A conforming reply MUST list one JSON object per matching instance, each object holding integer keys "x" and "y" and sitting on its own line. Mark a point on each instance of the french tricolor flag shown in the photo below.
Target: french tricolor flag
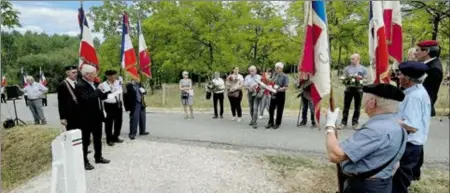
{"x": 378, "y": 49}
{"x": 42, "y": 78}
{"x": 87, "y": 49}
{"x": 144, "y": 57}
{"x": 316, "y": 61}
{"x": 128, "y": 55}
{"x": 393, "y": 22}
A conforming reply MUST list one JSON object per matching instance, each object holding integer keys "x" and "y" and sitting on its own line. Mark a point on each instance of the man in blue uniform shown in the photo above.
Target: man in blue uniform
{"x": 369, "y": 158}
{"x": 415, "y": 115}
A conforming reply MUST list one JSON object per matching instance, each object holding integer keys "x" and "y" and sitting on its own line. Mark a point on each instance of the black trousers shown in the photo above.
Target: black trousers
{"x": 25, "y": 97}
{"x": 218, "y": 97}
{"x": 305, "y": 104}
{"x": 94, "y": 128}
{"x": 277, "y": 103}
{"x": 71, "y": 124}
{"x": 235, "y": 103}
{"x": 368, "y": 185}
{"x": 3, "y": 100}
{"x": 416, "y": 170}
{"x": 404, "y": 175}
{"x": 44, "y": 101}
{"x": 349, "y": 95}
{"x": 113, "y": 119}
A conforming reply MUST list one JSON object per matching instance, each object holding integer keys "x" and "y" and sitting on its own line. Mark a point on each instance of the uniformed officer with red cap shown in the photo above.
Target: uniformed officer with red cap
{"x": 428, "y": 52}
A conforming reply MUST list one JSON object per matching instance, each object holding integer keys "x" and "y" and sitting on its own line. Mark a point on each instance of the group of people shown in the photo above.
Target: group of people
{"x": 264, "y": 92}
{"x": 85, "y": 104}
{"x": 386, "y": 154}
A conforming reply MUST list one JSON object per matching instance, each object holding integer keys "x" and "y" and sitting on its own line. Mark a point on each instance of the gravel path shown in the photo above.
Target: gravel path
{"x": 143, "y": 166}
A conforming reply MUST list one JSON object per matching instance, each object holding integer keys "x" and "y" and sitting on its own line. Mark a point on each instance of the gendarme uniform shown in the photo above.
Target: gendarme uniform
{"x": 415, "y": 112}
{"x": 375, "y": 149}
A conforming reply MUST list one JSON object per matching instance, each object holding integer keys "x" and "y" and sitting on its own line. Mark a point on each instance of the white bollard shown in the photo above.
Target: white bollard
{"x": 68, "y": 166}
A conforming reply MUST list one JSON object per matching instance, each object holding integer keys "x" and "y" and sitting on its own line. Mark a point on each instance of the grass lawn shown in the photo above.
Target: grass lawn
{"x": 299, "y": 175}
{"x": 26, "y": 152}
{"x": 172, "y": 98}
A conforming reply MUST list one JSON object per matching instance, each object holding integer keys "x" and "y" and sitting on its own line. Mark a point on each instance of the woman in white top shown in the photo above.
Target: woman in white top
{"x": 234, "y": 84}
{"x": 187, "y": 94}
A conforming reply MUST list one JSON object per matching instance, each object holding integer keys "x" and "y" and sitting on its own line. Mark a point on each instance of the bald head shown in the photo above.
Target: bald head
{"x": 355, "y": 58}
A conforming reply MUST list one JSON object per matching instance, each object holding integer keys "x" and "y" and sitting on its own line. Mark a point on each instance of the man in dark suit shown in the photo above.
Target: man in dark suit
{"x": 428, "y": 52}
{"x": 67, "y": 101}
{"x": 134, "y": 102}
{"x": 90, "y": 112}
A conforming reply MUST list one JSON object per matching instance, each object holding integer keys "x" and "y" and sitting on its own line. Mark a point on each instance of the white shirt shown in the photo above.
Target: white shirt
{"x": 71, "y": 82}
{"x": 220, "y": 84}
{"x": 114, "y": 87}
{"x": 35, "y": 90}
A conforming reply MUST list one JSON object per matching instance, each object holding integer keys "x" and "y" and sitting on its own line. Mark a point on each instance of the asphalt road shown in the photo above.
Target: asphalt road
{"x": 172, "y": 126}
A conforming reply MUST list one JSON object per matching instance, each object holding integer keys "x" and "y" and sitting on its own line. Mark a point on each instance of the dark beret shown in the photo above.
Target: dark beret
{"x": 110, "y": 72}
{"x": 72, "y": 67}
{"x": 428, "y": 43}
{"x": 386, "y": 91}
{"x": 413, "y": 69}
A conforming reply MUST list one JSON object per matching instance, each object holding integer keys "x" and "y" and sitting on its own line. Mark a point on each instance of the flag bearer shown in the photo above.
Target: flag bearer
{"x": 370, "y": 156}
{"x": 113, "y": 108}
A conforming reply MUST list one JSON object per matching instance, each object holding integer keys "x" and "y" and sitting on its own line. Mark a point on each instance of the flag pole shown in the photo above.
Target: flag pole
{"x": 332, "y": 106}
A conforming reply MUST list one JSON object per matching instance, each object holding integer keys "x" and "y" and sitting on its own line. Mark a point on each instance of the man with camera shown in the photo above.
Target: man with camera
{"x": 34, "y": 92}
{"x": 368, "y": 159}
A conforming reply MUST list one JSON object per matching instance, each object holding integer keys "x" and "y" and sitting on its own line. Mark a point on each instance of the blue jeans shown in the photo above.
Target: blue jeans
{"x": 305, "y": 104}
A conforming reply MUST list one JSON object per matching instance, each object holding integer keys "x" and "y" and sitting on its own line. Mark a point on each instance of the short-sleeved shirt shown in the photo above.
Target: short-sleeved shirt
{"x": 35, "y": 90}
{"x": 250, "y": 80}
{"x": 281, "y": 80}
{"x": 377, "y": 142}
{"x": 352, "y": 70}
{"x": 415, "y": 111}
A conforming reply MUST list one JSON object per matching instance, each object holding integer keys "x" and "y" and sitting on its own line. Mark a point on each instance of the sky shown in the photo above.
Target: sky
{"x": 52, "y": 17}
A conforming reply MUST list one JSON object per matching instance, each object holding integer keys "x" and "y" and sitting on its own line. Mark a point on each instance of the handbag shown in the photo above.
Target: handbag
{"x": 184, "y": 95}
{"x": 208, "y": 95}
{"x": 233, "y": 94}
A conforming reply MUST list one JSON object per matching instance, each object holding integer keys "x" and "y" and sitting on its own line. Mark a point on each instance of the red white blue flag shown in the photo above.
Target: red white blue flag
{"x": 145, "y": 62}
{"x": 315, "y": 63}
{"x": 88, "y": 55}
{"x": 378, "y": 49}
{"x": 42, "y": 78}
{"x": 393, "y": 21}
{"x": 128, "y": 55}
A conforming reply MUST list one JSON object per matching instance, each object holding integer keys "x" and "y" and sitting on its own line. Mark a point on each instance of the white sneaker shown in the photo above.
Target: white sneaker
{"x": 233, "y": 119}
{"x": 239, "y": 120}
{"x": 260, "y": 117}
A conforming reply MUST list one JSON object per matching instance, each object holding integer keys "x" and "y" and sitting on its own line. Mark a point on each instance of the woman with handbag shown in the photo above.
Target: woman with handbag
{"x": 187, "y": 95}
{"x": 234, "y": 84}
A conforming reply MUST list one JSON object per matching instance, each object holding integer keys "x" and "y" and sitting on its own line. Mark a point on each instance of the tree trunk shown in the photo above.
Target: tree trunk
{"x": 436, "y": 21}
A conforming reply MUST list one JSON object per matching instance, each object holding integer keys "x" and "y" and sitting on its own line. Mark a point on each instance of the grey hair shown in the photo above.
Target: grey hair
{"x": 252, "y": 67}
{"x": 86, "y": 69}
{"x": 185, "y": 73}
{"x": 387, "y": 105}
{"x": 29, "y": 78}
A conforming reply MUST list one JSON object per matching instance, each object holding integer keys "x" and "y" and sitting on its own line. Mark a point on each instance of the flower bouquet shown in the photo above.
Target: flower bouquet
{"x": 354, "y": 80}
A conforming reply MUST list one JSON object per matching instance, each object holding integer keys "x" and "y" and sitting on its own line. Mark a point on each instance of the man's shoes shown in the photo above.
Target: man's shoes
{"x": 102, "y": 161}
{"x": 118, "y": 140}
{"x": 276, "y": 126}
{"x": 214, "y": 117}
{"x": 110, "y": 143}
{"x": 144, "y": 133}
{"x": 88, "y": 166}
{"x": 251, "y": 123}
{"x": 269, "y": 126}
{"x": 44, "y": 122}
{"x": 342, "y": 126}
{"x": 355, "y": 126}
{"x": 255, "y": 126}
{"x": 313, "y": 124}
{"x": 132, "y": 137}
{"x": 302, "y": 123}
